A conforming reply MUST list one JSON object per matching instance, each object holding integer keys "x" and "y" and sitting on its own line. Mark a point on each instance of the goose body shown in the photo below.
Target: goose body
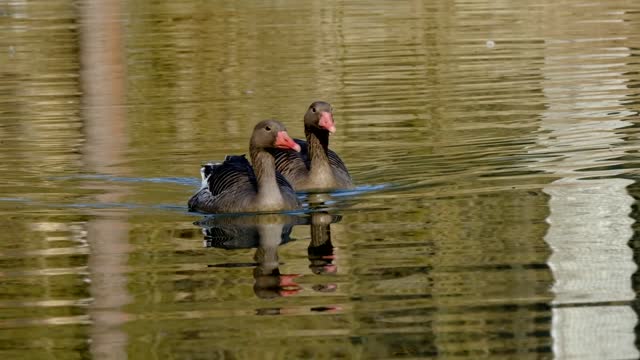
{"x": 236, "y": 186}
{"x": 315, "y": 166}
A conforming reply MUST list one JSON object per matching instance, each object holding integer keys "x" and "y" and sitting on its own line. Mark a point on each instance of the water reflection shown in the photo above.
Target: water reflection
{"x": 501, "y": 232}
{"x": 321, "y": 250}
{"x": 103, "y": 82}
{"x": 590, "y": 226}
{"x": 266, "y": 233}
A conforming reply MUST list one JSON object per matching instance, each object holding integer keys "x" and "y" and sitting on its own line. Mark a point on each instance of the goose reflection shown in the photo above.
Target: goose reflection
{"x": 266, "y": 233}
{"x": 263, "y": 232}
{"x": 321, "y": 250}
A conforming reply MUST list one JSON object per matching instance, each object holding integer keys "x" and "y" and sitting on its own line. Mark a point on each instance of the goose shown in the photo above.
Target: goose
{"x": 315, "y": 167}
{"x": 235, "y": 186}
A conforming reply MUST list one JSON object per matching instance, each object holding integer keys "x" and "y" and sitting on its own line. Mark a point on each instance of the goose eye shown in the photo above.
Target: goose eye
{"x": 313, "y": 109}
{"x": 268, "y": 128}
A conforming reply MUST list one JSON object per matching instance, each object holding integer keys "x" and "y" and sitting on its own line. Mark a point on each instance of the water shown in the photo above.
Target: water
{"x": 494, "y": 145}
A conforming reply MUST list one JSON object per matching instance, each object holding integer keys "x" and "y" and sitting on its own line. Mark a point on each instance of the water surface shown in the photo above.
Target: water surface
{"x": 494, "y": 145}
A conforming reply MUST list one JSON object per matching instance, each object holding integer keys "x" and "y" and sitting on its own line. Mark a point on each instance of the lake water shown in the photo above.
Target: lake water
{"x": 494, "y": 145}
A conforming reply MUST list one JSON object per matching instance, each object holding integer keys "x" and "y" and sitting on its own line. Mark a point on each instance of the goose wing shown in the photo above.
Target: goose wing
{"x": 223, "y": 184}
{"x": 234, "y": 174}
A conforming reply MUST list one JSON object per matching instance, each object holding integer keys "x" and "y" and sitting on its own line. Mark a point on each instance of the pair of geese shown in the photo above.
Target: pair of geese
{"x": 281, "y": 166}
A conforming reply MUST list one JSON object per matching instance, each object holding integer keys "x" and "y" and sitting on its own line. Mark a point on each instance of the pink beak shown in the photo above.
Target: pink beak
{"x": 284, "y": 141}
{"x": 326, "y": 122}
{"x": 288, "y": 280}
{"x": 330, "y": 269}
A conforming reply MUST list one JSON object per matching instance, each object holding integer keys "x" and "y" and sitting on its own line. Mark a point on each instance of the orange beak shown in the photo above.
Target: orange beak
{"x": 284, "y": 141}
{"x": 326, "y": 122}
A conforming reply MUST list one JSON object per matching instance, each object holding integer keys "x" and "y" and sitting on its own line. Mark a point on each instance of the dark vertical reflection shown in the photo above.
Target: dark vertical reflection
{"x": 634, "y": 244}
{"x": 320, "y": 250}
{"x": 633, "y": 105}
{"x": 269, "y": 281}
{"x": 103, "y": 80}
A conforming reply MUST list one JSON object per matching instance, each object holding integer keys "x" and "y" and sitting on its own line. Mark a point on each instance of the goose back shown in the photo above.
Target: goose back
{"x": 231, "y": 186}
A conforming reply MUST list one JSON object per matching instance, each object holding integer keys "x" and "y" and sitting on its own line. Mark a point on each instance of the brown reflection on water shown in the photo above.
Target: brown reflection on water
{"x": 103, "y": 81}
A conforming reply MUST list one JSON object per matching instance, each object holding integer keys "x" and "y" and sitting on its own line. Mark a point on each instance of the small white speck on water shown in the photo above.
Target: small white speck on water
{"x": 490, "y": 44}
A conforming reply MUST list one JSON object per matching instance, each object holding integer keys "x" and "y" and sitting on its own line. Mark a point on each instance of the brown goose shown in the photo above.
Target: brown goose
{"x": 235, "y": 186}
{"x": 315, "y": 167}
